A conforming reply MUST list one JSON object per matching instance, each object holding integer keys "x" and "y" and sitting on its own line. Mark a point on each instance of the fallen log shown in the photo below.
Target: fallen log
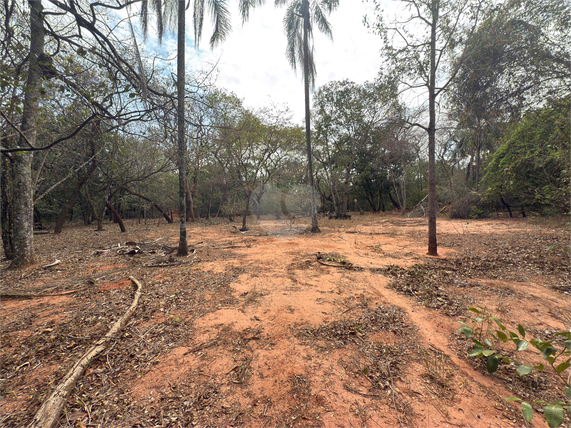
{"x": 50, "y": 410}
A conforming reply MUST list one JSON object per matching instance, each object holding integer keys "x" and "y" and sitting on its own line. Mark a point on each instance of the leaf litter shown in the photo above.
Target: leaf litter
{"x": 373, "y": 344}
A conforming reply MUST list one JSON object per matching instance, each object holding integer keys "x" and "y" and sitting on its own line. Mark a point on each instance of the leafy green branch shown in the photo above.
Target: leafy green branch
{"x": 488, "y": 331}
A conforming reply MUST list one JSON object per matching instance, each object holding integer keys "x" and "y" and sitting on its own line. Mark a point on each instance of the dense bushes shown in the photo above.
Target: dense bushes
{"x": 468, "y": 206}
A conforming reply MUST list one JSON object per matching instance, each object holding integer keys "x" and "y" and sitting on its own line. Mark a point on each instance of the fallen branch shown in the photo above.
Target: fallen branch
{"x": 51, "y": 408}
{"x": 57, "y": 262}
{"x": 341, "y": 265}
{"x": 23, "y": 296}
{"x": 362, "y": 394}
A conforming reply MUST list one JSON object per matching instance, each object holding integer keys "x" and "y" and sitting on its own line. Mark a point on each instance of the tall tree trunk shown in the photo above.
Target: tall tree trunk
{"x": 478, "y": 155}
{"x": 432, "y": 242}
{"x": 97, "y": 216}
{"x": 245, "y": 216}
{"x": 345, "y": 194}
{"x": 23, "y": 217}
{"x": 180, "y": 80}
{"x": 189, "y": 204}
{"x": 314, "y": 225}
{"x": 6, "y": 207}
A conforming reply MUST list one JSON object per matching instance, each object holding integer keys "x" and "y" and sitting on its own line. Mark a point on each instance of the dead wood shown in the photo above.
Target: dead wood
{"x": 57, "y": 262}
{"x": 27, "y": 296}
{"x": 50, "y": 410}
{"x": 344, "y": 265}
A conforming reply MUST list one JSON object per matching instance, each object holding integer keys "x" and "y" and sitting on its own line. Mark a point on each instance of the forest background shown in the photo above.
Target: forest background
{"x": 91, "y": 126}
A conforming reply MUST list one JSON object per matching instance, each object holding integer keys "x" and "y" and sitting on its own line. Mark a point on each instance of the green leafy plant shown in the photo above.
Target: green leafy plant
{"x": 465, "y": 228}
{"x": 476, "y": 212}
{"x": 486, "y": 331}
{"x": 336, "y": 258}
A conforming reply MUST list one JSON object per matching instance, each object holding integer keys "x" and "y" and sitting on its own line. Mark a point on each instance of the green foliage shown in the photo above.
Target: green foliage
{"x": 532, "y": 165}
{"x": 468, "y": 206}
{"x": 487, "y": 331}
{"x": 476, "y": 212}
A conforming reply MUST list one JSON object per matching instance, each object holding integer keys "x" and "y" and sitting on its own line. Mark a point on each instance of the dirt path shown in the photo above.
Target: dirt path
{"x": 276, "y": 327}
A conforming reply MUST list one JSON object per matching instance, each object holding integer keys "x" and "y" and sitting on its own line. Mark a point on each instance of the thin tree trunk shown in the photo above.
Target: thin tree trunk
{"x": 506, "y": 205}
{"x": 314, "y": 225}
{"x": 6, "y": 208}
{"x": 245, "y": 216}
{"x": 345, "y": 195}
{"x": 23, "y": 218}
{"x": 189, "y": 206}
{"x": 97, "y": 216}
{"x": 165, "y": 215}
{"x": 180, "y": 78}
{"x": 432, "y": 242}
{"x": 395, "y": 203}
{"x": 116, "y": 215}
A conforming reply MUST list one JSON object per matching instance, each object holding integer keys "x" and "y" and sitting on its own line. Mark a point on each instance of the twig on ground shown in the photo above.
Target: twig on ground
{"x": 57, "y": 262}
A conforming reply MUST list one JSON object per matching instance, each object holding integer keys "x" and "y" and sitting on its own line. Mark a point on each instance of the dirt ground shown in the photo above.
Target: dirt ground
{"x": 276, "y": 327}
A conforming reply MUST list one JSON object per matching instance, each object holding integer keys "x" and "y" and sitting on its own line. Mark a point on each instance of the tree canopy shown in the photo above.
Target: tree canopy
{"x": 532, "y": 166}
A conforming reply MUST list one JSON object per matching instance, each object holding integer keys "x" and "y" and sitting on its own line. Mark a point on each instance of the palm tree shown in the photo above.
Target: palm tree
{"x": 299, "y": 19}
{"x": 221, "y": 23}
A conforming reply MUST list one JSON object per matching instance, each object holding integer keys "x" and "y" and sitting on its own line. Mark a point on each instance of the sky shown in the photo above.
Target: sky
{"x": 252, "y": 62}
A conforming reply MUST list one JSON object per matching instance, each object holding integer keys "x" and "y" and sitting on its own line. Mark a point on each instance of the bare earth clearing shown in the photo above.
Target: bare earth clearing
{"x": 274, "y": 327}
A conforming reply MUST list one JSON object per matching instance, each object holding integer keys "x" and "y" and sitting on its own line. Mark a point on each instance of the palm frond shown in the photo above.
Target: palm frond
{"x": 142, "y": 79}
{"x": 246, "y": 5}
{"x": 198, "y": 20}
{"x": 312, "y": 70}
{"x": 157, "y": 6}
{"x": 170, "y": 14}
{"x": 322, "y": 23}
{"x": 220, "y": 20}
{"x": 293, "y": 28}
{"x": 329, "y": 5}
{"x": 145, "y": 17}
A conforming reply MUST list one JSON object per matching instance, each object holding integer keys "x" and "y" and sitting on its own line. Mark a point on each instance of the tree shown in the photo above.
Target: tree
{"x": 521, "y": 59}
{"x": 221, "y": 28}
{"x": 348, "y": 117}
{"x": 34, "y": 64}
{"x": 299, "y": 19}
{"x": 532, "y": 166}
{"x": 22, "y": 193}
{"x": 416, "y": 56}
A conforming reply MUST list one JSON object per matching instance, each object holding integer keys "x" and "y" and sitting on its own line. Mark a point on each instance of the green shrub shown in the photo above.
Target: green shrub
{"x": 487, "y": 331}
{"x": 468, "y": 206}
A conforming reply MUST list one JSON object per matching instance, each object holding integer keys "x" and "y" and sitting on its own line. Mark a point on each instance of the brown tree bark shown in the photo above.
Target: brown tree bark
{"x": 432, "y": 242}
{"x": 306, "y": 53}
{"x": 245, "y": 216}
{"x": 116, "y": 215}
{"x": 181, "y": 141}
{"x": 23, "y": 217}
{"x": 165, "y": 215}
{"x": 6, "y": 208}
